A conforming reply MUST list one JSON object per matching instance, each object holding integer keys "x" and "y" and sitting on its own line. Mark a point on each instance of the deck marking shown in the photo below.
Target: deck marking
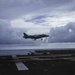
{"x": 20, "y": 66}
{"x": 72, "y": 59}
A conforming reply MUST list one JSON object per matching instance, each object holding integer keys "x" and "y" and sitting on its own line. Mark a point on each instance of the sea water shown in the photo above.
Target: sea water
{"x": 21, "y": 49}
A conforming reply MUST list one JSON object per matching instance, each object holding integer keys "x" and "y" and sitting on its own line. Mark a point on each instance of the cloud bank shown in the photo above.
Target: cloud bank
{"x": 11, "y": 35}
{"x": 37, "y": 16}
{"x": 10, "y": 9}
{"x": 63, "y": 33}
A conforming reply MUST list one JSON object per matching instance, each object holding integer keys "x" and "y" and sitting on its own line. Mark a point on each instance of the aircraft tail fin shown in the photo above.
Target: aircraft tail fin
{"x": 25, "y": 34}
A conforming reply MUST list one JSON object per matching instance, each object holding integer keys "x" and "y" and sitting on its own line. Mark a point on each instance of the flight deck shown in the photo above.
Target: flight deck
{"x": 37, "y": 60}
{"x": 26, "y": 65}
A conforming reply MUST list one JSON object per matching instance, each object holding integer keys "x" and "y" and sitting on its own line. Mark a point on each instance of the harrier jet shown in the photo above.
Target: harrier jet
{"x": 26, "y": 36}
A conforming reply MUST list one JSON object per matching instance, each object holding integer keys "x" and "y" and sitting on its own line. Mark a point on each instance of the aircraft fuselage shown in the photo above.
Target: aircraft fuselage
{"x": 35, "y": 36}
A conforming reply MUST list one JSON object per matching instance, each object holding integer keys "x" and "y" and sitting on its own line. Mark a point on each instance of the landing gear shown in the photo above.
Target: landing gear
{"x": 41, "y": 39}
{"x": 35, "y": 39}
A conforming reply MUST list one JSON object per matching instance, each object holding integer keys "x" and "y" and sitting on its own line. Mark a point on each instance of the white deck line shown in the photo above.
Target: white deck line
{"x": 20, "y": 66}
{"x": 71, "y": 59}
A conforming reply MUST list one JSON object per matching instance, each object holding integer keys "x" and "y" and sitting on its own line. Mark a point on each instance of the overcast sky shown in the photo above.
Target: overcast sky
{"x": 36, "y": 16}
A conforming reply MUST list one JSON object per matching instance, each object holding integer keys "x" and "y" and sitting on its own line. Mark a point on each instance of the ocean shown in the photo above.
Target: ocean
{"x": 23, "y": 49}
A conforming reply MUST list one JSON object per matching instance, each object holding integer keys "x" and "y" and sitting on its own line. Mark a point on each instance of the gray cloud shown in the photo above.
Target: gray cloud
{"x": 56, "y": 2}
{"x": 37, "y": 19}
{"x": 10, "y": 35}
{"x": 10, "y": 9}
{"x": 63, "y": 34}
